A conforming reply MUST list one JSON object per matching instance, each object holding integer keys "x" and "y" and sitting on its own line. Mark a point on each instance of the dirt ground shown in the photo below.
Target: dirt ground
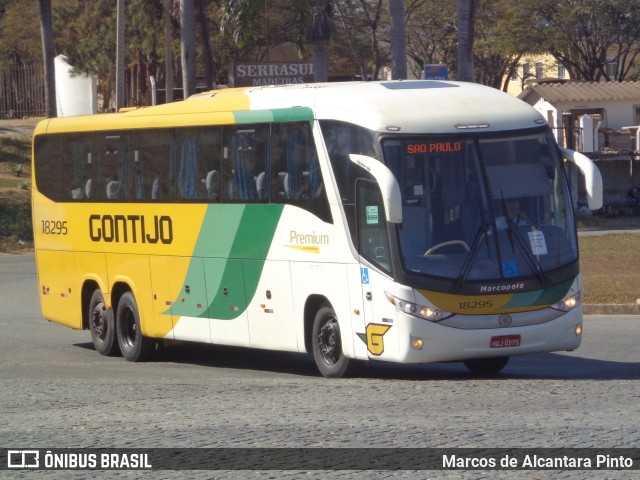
{"x": 18, "y": 126}
{"x": 15, "y": 172}
{"x": 15, "y": 139}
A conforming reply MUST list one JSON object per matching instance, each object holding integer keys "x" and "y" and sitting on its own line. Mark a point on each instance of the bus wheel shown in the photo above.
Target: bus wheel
{"x": 327, "y": 345}
{"x": 486, "y": 366}
{"x": 134, "y": 346}
{"x": 102, "y": 325}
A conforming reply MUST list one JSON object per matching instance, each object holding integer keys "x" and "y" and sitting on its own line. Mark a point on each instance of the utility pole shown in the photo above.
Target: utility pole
{"x": 398, "y": 40}
{"x": 188, "y": 44}
{"x": 168, "y": 52}
{"x": 46, "y": 28}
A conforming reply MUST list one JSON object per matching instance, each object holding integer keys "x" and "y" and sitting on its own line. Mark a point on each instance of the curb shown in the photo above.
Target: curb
{"x": 611, "y": 309}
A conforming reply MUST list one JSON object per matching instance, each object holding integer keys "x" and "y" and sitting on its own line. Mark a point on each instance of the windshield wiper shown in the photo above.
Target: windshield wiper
{"x": 473, "y": 253}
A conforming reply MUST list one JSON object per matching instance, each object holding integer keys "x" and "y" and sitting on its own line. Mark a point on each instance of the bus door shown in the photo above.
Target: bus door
{"x": 373, "y": 246}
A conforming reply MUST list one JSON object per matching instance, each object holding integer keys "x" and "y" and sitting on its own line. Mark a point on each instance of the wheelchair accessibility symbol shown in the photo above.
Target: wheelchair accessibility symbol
{"x": 364, "y": 274}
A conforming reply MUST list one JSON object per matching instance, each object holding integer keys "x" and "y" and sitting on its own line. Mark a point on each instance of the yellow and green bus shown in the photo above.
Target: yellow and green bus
{"x": 402, "y": 221}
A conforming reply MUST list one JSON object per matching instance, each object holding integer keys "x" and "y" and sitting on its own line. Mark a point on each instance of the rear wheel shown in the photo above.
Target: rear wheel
{"x": 102, "y": 325}
{"x": 134, "y": 346}
{"x": 486, "y": 366}
{"x": 327, "y": 345}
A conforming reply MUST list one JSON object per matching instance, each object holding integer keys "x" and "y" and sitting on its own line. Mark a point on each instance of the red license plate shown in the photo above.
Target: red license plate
{"x": 505, "y": 341}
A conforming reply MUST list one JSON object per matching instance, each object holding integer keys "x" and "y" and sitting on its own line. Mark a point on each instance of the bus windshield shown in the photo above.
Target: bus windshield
{"x": 482, "y": 208}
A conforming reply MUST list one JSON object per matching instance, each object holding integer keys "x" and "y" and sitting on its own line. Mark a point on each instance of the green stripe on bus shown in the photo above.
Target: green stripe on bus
{"x": 229, "y": 235}
{"x": 292, "y": 114}
{"x": 275, "y": 115}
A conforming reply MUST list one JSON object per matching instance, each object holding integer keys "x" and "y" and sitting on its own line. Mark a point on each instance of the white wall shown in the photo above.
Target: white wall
{"x": 75, "y": 95}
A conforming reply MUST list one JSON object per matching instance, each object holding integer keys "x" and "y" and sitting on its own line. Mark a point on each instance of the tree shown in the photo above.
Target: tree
{"x": 48, "y": 53}
{"x": 310, "y": 20}
{"x": 583, "y": 35}
{"x": 207, "y": 54}
{"x": 20, "y": 33}
{"x": 466, "y": 12}
{"x": 120, "y": 54}
{"x": 369, "y": 21}
{"x": 495, "y": 54}
{"x": 431, "y": 33}
{"x": 168, "y": 51}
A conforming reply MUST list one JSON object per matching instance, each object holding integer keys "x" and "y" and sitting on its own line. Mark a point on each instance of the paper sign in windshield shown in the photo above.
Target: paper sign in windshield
{"x": 538, "y": 243}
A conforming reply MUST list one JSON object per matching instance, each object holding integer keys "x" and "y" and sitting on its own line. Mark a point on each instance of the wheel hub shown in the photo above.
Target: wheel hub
{"x": 97, "y": 321}
{"x": 328, "y": 341}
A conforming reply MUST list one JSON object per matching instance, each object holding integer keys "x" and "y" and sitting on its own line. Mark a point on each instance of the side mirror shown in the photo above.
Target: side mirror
{"x": 592, "y": 177}
{"x": 391, "y": 197}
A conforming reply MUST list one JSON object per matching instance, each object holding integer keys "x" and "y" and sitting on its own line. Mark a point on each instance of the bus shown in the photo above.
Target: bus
{"x": 400, "y": 221}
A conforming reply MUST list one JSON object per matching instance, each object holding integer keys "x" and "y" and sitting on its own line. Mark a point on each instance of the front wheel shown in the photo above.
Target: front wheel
{"x": 327, "y": 345}
{"x": 486, "y": 366}
{"x": 102, "y": 325}
{"x": 134, "y": 346}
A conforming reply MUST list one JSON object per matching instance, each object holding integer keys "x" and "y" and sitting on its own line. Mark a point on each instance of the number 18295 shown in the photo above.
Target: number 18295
{"x": 54, "y": 227}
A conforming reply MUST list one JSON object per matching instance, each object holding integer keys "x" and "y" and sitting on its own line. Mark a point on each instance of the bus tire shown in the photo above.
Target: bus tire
{"x": 134, "y": 346}
{"x": 102, "y": 325}
{"x": 486, "y": 366}
{"x": 327, "y": 345}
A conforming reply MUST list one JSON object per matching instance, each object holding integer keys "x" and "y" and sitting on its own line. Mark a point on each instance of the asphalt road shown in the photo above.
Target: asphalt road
{"x": 56, "y": 391}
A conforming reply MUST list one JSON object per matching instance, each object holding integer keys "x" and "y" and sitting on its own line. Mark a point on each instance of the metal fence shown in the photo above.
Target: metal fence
{"x": 22, "y": 91}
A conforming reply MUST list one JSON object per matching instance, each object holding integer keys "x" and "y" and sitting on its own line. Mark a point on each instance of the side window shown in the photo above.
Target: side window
{"x": 244, "y": 163}
{"x": 343, "y": 139}
{"x": 198, "y": 163}
{"x": 210, "y": 141}
{"x": 154, "y": 166}
{"x": 48, "y": 167}
{"x": 79, "y": 167}
{"x": 67, "y": 167}
{"x": 116, "y": 161}
{"x": 373, "y": 243}
{"x": 295, "y": 170}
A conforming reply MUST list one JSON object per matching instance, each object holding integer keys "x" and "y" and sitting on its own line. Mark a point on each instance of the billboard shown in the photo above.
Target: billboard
{"x": 438, "y": 71}
{"x": 272, "y": 73}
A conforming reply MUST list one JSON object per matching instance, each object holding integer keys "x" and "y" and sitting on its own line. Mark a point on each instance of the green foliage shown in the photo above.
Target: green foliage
{"x": 20, "y": 32}
{"x": 581, "y": 34}
{"x": 17, "y": 169}
{"x": 15, "y": 221}
{"x": 15, "y": 151}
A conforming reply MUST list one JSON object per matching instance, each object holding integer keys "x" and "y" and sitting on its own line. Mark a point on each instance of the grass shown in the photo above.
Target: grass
{"x": 11, "y": 182}
{"x": 610, "y": 267}
{"x": 15, "y": 151}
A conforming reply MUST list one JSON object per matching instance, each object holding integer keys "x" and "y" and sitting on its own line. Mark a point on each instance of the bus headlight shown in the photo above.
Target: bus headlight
{"x": 428, "y": 313}
{"x": 568, "y": 303}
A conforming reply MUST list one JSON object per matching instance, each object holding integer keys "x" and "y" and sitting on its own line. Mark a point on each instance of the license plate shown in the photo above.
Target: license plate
{"x": 505, "y": 341}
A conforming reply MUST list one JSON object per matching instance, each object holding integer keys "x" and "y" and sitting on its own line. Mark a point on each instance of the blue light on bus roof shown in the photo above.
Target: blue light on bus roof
{"x": 416, "y": 84}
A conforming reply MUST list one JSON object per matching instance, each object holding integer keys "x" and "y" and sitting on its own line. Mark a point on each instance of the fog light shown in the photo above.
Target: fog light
{"x": 417, "y": 343}
{"x": 578, "y": 330}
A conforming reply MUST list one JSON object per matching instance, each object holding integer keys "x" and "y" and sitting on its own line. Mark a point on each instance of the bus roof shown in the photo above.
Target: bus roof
{"x": 409, "y": 106}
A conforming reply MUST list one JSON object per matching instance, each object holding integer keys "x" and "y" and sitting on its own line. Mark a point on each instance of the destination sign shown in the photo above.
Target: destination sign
{"x": 433, "y": 147}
